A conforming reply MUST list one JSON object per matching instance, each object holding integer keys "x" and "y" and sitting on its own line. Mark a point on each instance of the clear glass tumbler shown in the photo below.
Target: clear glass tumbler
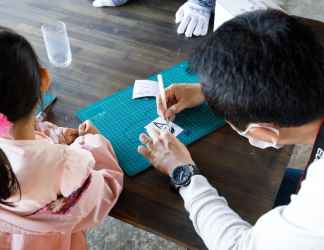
{"x": 57, "y": 44}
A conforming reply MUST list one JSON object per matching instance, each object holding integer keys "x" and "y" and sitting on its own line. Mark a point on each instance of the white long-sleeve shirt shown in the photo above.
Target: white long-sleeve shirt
{"x": 297, "y": 226}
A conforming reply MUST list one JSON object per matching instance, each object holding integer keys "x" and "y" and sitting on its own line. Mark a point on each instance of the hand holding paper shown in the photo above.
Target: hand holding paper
{"x": 166, "y": 152}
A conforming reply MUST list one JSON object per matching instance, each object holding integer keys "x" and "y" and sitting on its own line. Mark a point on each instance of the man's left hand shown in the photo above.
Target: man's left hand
{"x": 164, "y": 151}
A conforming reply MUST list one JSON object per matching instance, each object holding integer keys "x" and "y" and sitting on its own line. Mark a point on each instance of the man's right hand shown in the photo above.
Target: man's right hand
{"x": 180, "y": 97}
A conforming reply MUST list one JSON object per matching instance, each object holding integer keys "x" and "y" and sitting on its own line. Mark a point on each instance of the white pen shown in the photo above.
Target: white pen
{"x": 163, "y": 97}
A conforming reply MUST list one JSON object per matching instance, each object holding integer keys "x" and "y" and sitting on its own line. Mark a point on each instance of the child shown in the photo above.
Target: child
{"x": 55, "y": 183}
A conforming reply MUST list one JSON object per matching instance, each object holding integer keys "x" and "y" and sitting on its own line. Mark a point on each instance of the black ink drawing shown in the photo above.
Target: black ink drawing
{"x": 162, "y": 125}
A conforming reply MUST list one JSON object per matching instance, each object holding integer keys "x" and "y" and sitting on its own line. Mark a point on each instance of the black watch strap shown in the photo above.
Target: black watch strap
{"x": 196, "y": 170}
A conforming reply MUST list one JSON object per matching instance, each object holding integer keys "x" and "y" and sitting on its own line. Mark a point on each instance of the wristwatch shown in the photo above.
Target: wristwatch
{"x": 181, "y": 175}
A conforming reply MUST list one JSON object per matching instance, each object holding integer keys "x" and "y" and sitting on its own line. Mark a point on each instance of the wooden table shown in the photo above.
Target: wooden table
{"x": 113, "y": 47}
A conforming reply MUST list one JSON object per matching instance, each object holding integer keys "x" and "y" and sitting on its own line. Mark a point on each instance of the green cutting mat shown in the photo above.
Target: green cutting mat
{"x": 121, "y": 119}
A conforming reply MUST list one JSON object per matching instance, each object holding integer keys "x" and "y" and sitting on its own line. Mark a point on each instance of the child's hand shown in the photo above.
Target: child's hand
{"x": 87, "y": 128}
{"x": 59, "y": 135}
{"x": 69, "y": 135}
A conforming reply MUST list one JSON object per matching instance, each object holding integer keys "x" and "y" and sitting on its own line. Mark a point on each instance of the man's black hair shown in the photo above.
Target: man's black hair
{"x": 262, "y": 66}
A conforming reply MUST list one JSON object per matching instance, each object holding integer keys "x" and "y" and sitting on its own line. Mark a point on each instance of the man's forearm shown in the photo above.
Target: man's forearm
{"x": 217, "y": 224}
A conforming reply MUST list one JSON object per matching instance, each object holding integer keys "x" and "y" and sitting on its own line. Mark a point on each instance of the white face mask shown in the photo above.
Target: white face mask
{"x": 257, "y": 142}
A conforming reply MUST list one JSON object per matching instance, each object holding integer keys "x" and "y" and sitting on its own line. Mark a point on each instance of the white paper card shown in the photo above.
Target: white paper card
{"x": 160, "y": 124}
{"x": 145, "y": 88}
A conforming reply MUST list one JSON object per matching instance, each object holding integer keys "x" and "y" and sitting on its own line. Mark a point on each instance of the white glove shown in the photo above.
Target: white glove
{"x": 108, "y": 3}
{"x": 193, "y": 19}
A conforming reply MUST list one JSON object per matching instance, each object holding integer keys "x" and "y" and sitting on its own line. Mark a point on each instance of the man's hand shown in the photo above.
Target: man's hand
{"x": 180, "y": 97}
{"x": 193, "y": 19}
{"x": 164, "y": 151}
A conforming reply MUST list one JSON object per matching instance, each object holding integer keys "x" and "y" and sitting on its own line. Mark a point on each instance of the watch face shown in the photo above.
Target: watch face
{"x": 181, "y": 175}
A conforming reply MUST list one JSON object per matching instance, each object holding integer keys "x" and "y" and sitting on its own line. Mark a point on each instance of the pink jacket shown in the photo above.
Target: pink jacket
{"x": 65, "y": 190}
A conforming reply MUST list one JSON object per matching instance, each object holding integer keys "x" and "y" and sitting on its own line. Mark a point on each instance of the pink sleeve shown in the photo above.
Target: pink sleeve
{"x": 106, "y": 179}
{"x": 75, "y": 170}
{"x": 102, "y": 151}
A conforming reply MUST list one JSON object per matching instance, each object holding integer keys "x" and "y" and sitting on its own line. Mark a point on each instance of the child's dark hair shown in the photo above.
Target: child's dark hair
{"x": 263, "y": 66}
{"x": 20, "y": 79}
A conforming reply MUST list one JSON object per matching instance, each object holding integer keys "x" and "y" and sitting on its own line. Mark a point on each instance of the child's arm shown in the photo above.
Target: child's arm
{"x": 106, "y": 178}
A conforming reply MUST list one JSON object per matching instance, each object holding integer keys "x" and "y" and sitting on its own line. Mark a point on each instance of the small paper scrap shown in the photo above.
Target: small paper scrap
{"x": 160, "y": 124}
{"x": 145, "y": 88}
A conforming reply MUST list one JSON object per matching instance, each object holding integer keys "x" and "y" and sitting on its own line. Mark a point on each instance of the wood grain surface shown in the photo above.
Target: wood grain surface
{"x": 111, "y": 48}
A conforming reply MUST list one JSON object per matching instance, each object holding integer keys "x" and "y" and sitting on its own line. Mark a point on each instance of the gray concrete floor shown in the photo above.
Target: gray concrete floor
{"x": 115, "y": 235}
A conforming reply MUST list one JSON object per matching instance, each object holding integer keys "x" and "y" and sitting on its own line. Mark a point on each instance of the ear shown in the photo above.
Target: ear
{"x": 45, "y": 80}
{"x": 264, "y": 133}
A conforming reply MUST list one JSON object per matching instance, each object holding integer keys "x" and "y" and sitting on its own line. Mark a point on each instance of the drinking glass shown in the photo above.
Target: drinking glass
{"x": 57, "y": 44}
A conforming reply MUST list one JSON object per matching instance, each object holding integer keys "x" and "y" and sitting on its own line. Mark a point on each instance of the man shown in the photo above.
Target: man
{"x": 264, "y": 72}
{"x": 193, "y": 16}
